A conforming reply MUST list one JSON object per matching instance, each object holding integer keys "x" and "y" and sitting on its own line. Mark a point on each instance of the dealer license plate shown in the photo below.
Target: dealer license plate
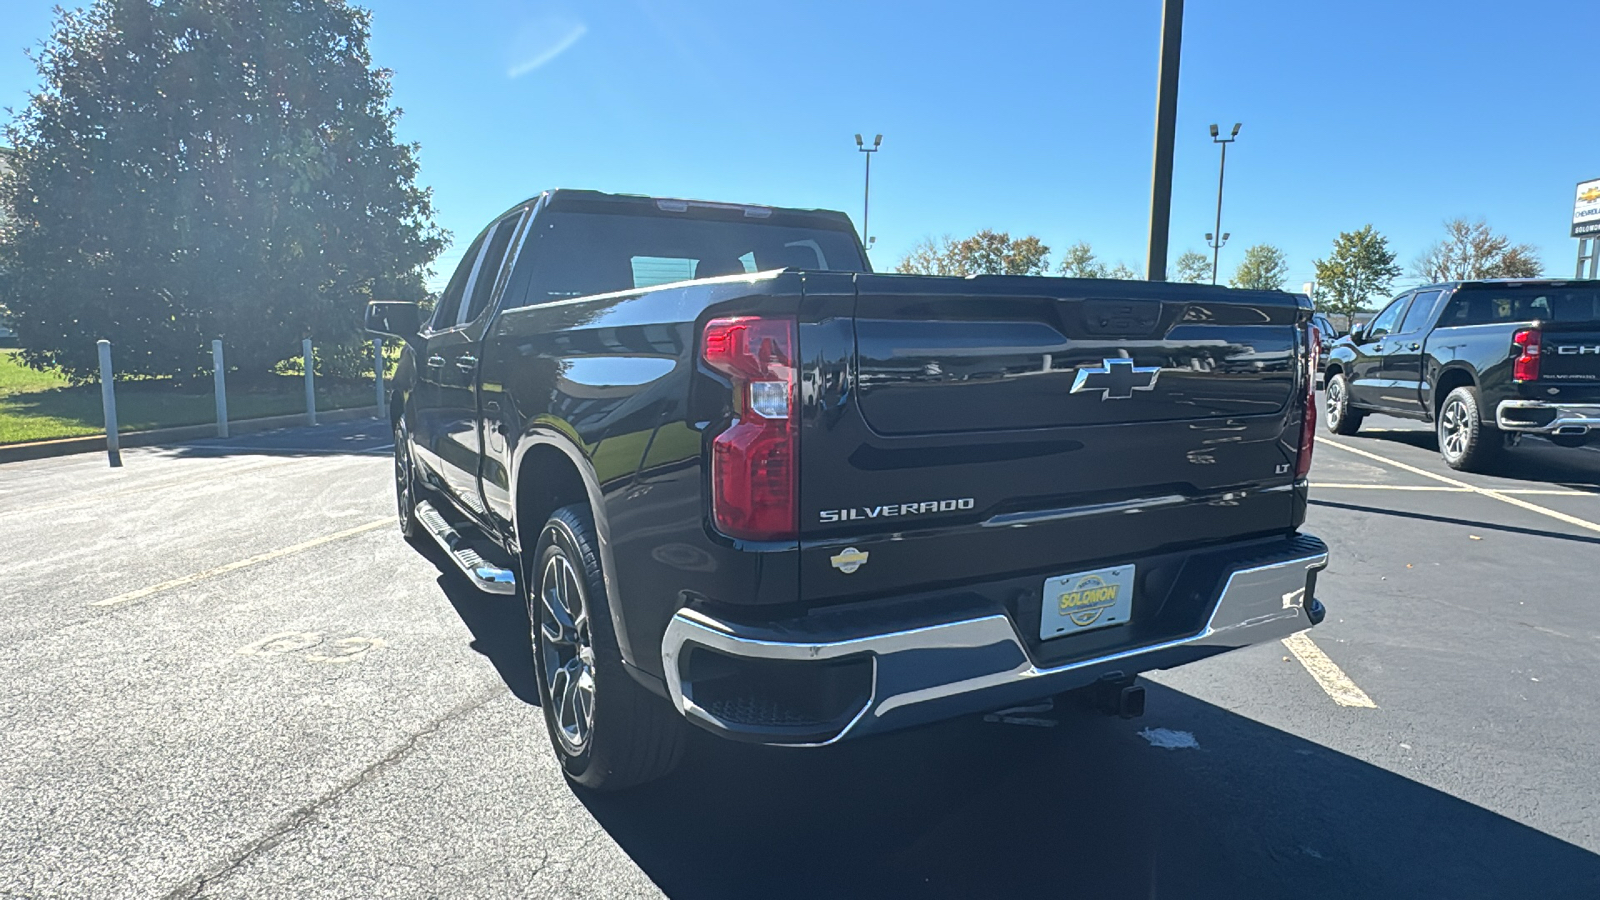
{"x": 1086, "y": 601}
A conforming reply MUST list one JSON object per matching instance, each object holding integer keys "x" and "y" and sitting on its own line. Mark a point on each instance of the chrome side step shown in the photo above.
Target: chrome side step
{"x": 485, "y": 576}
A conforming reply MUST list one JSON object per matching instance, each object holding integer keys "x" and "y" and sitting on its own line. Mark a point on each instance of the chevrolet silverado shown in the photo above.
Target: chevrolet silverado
{"x": 743, "y": 483}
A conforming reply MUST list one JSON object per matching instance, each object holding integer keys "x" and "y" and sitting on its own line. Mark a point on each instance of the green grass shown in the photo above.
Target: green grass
{"x": 37, "y": 406}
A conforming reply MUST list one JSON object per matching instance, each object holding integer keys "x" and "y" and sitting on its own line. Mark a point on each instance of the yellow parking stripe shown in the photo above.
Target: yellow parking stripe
{"x": 1328, "y": 675}
{"x": 235, "y": 566}
{"x": 1497, "y": 495}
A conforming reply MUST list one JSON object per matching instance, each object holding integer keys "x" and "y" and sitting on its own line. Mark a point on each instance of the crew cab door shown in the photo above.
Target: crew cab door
{"x": 447, "y": 395}
{"x": 1402, "y": 356}
{"x": 1369, "y": 386}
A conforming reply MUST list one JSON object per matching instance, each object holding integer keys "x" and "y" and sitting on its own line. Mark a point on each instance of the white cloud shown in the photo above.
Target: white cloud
{"x": 538, "y": 37}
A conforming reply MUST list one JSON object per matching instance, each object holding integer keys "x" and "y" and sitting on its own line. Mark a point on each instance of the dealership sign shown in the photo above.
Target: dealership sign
{"x": 1586, "y": 209}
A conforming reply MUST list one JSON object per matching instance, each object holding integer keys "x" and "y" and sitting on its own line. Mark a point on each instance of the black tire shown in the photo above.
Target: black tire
{"x": 1342, "y": 417}
{"x": 406, "y": 487}
{"x": 608, "y": 730}
{"x": 1466, "y": 442}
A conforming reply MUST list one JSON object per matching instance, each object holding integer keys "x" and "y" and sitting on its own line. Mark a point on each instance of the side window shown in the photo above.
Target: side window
{"x": 1386, "y": 320}
{"x": 449, "y": 305}
{"x": 481, "y": 286}
{"x": 1421, "y": 308}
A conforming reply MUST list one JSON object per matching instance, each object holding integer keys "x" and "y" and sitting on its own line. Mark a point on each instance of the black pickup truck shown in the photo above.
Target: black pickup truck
{"x": 1486, "y": 361}
{"x": 741, "y": 481}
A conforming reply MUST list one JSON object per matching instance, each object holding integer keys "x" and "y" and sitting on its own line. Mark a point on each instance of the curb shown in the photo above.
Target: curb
{"x": 97, "y": 442}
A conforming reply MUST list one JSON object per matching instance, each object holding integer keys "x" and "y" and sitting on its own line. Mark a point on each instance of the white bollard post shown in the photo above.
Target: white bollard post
{"x": 219, "y": 378}
{"x": 377, "y": 374}
{"x": 311, "y": 388}
{"x": 108, "y": 405}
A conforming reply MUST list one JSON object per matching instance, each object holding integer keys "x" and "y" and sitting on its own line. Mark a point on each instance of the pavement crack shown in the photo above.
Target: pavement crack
{"x": 305, "y": 813}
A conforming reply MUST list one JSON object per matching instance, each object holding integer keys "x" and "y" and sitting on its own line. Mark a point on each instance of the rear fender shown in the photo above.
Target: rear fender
{"x": 547, "y": 435}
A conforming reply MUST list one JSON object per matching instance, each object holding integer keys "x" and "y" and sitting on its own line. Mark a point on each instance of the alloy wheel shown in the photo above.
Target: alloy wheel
{"x": 1336, "y": 400}
{"x": 1454, "y": 428}
{"x": 566, "y": 651}
{"x": 404, "y": 489}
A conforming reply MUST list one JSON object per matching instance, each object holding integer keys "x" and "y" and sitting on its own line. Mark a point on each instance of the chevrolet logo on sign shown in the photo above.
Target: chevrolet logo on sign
{"x": 1115, "y": 379}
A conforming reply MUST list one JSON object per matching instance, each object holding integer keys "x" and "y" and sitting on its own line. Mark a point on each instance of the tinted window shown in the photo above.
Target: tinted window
{"x": 579, "y": 254}
{"x": 481, "y": 285}
{"x": 1493, "y": 304}
{"x": 449, "y": 305}
{"x": 1421, "y": 308}
{"x": 1386, "y": 320}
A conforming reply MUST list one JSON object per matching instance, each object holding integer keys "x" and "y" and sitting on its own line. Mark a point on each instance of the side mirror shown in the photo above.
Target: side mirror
{"x": 1358, "y": 333}
{"x": 393, "y": 319}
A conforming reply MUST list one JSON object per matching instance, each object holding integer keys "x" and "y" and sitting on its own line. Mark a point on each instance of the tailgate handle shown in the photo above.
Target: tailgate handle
{"x": 1121, "y": 317}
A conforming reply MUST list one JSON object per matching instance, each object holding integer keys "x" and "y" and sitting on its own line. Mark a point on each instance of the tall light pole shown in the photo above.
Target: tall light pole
{"x": 1222, "y": 171}
{"x": 866, "y": 192}
{"x": 1155, "y": 265}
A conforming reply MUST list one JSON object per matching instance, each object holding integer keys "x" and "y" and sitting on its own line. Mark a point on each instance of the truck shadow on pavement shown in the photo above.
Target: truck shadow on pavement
{"x": 1089, "y": 808}
{"x": 1451, "y": 520}
{"x": 1534, "y": 460}
{"x": 499, "y": 625}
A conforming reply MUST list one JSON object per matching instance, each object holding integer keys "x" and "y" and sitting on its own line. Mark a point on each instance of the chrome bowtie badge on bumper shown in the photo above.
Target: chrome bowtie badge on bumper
{"x": 1115, "y": 379}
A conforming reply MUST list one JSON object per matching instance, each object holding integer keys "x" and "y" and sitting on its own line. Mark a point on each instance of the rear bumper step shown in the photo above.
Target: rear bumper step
{"x": 1541, "y": 417}
{"x": 813, "y": 687}
{"x": 484, "y": 575}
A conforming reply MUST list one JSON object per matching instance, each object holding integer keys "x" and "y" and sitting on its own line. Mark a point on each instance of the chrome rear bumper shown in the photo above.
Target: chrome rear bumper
{"x": 1541, "y": 417}
{"x": 978, "y": 663}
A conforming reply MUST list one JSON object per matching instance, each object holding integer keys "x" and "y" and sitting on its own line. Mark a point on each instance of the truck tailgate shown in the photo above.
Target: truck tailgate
{"x": 1571, "y": 355}
{"x": 960, "y": 429}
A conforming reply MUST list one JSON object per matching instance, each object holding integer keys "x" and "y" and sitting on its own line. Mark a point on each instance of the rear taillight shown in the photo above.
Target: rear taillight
{"x": 1308, "y": 428}
{"x": 754, "y": 482}
{"x": 1525, "y": 344}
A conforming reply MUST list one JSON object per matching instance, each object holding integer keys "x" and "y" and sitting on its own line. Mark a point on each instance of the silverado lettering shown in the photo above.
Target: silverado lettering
{"x": 895, "y": 509}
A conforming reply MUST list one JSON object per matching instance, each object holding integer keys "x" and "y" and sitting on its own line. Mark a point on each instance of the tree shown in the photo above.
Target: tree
{"x": 193, "y": 169}
{"x": 1263, "y": 269}
{"x": 986, "y": 253}
{"x": 1360, "y": 265}
{"x": 1080, "y": 262}
{"x": 1193, "y": 267}
{"x": 1472, "y": 250}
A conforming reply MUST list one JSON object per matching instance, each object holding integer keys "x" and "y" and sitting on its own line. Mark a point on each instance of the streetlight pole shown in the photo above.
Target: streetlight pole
{"x": 1222, "y": 172}
{"x": 1216, "y": 244}
{"x": 866, "y": 191}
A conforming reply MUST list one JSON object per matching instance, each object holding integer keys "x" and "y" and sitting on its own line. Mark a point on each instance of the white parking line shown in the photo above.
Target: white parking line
{"x": 1388, "y": 487}
{"x": 142, "y": 593}
{"x": 1328, "y": 675}
{"x": 1446, "y": 489}
{"x": 1497, "y": 495}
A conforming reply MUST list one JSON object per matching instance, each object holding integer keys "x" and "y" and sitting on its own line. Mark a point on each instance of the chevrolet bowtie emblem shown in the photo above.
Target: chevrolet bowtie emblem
{"x": 1115, "y": 379}
{"x": 849, "y": 560}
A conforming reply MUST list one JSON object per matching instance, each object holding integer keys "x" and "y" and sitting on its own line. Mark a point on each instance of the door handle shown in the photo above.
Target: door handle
{"x": 435, "y": 362}
{"x": 466, "y": 363}
{"x": 1378, "y": 347}
{"x": 1415, "y": 346}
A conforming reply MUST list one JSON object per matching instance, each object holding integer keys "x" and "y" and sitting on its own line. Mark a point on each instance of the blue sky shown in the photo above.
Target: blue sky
{"x": 1028, "y": 117}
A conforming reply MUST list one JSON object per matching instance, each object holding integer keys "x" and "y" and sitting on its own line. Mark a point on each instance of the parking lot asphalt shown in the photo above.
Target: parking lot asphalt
{"x": 223, "y": 674}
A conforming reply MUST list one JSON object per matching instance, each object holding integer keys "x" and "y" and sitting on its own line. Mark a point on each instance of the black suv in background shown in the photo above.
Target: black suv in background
{"x": 1486, "y": 361}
